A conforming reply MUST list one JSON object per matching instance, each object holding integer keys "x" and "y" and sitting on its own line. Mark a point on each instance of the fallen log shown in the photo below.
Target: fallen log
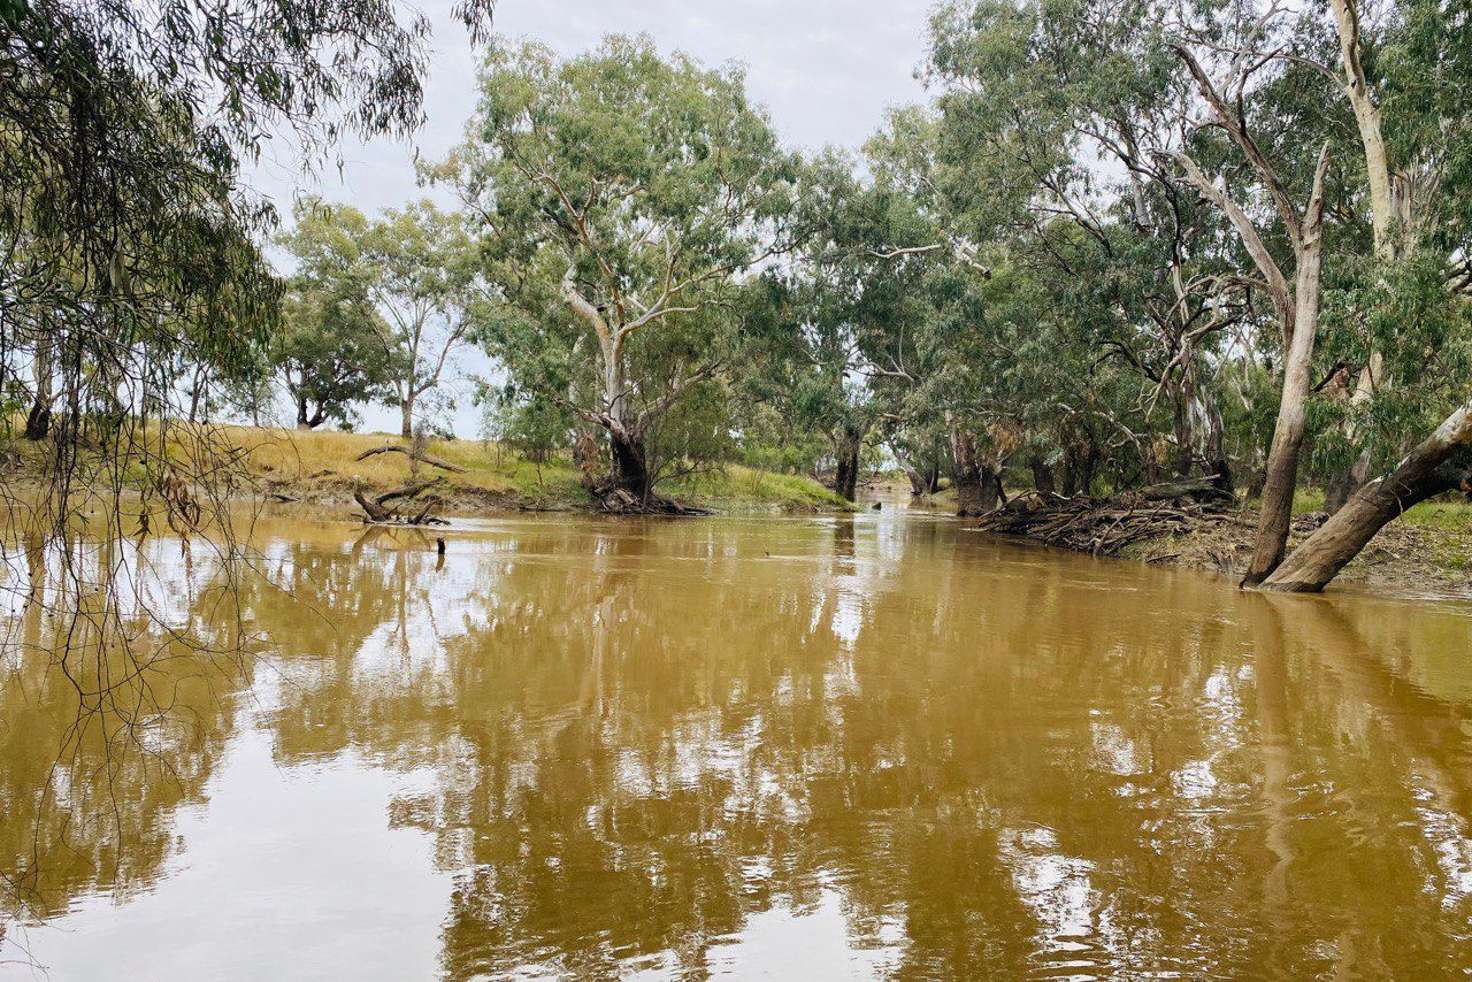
{"x": 1198, "y": 488}
{"x": 377, "y": 510}
{"x": 412, "y": 454}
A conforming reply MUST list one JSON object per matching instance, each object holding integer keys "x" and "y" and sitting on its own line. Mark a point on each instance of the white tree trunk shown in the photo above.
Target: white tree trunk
{"x": 1425, "y": 471}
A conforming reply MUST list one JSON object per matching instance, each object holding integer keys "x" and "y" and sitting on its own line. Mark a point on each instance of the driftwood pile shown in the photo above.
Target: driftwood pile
{"x": 1105, "y": 526}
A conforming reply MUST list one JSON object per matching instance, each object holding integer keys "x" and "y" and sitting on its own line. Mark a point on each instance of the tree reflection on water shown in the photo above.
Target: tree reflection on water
{"x": 655, "y": 746}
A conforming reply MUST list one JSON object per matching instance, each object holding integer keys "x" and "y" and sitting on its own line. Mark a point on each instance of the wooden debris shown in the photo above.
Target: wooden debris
{"x": 618, "y": 501}
{"x": 413, "y": 453}
{"x": 377, "y": 509}
{"x": 1106, "y": 526}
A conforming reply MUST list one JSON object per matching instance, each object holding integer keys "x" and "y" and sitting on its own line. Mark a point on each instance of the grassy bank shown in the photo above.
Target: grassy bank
{"x": 321, "y": 467}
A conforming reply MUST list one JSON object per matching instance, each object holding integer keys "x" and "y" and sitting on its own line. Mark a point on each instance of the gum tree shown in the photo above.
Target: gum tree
{"x": 391, "y": 297}
{"x": 423, "y": 276}
{"x": 620, "y": 194}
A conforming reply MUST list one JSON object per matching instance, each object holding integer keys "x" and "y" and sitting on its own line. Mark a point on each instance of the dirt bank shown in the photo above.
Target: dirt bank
{"x": 1427, "y": 553}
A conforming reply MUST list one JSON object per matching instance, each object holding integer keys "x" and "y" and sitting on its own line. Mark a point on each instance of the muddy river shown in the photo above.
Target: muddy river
{"x": 874, "y": 746}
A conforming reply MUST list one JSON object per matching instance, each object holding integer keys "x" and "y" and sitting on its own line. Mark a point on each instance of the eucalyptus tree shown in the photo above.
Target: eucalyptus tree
{"x": 129, "y": 244}
{"x": 1404, "y": 312}
{"x": 328, "y": 352}
{"x": 416, "y": 268}
{"x": 620, "y": 195}
{"x": 1216, "y": 195}
{"x": 1294, "y": 290}
{"x": 1396, "y": 324}
{"x": 333, "y": 347}
{"x": 424, "y": 278}
{"x": 1055, "y": 129}
{"x": 810, "y": 366}
{"x": 127, "y": 237}
{"x": 932, "y": 356}
{"x": 840, "y": 299}
{"x": 1385, "y": 86}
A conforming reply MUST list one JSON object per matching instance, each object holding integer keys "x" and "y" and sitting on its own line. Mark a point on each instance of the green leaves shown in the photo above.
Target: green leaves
{"x": 11, "y": 11}
{"x": 622, "y": 196}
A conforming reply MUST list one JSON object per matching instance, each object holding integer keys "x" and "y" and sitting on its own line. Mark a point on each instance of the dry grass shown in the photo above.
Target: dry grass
{"x": 291, "y": 455}
{"x": 322, "y": 464}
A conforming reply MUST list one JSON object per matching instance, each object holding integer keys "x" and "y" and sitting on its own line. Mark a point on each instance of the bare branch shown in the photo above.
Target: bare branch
{"x": 1277, "y": 283}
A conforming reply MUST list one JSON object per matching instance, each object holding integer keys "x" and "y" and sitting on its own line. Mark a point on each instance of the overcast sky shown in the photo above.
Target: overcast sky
{"x": 825, "y": 69}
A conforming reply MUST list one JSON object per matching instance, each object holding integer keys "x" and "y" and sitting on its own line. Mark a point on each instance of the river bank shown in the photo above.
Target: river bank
{"x": 1426, "y": 553}
{"x": 319, "y": 471}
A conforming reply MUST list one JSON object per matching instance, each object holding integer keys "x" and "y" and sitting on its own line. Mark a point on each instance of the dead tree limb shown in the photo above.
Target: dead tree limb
{"x": 377, "y": 509}
{"x": 412, "y": 454}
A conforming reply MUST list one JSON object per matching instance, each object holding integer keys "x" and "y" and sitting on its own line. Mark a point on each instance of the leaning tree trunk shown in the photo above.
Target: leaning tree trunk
{"x": 922, "y": 471}
{"x": 1281, "y": 479}
{"x": 1438, "y": 464}
{"x": 919, "y": 485}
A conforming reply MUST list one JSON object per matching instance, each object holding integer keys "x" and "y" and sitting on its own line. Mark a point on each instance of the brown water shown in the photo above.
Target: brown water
{"x": 826, "y": 748}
